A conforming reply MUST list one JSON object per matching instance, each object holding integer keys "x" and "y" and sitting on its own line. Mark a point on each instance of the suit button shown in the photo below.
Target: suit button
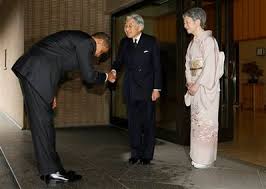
{"x": 139, "y": 70}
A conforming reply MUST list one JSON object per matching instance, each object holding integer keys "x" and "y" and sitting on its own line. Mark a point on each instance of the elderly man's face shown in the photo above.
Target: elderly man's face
{"x": 131, "y": 28}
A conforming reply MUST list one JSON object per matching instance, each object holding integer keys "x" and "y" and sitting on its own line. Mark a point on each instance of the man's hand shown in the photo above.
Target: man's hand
{"x": 54, "y": 103}
{"x": 193, "y": 89}
{"x": 111, "y": 76}
{"x": 155, "y": 95}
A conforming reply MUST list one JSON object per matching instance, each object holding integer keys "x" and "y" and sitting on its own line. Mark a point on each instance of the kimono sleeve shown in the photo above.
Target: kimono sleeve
{"x": 187, "y": 65}
{"x": 207, "y": 76}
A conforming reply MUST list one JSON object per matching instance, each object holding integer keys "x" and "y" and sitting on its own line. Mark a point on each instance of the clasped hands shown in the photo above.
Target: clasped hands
{"x": 192, "y": 88}
{"x": 111, "y": 76}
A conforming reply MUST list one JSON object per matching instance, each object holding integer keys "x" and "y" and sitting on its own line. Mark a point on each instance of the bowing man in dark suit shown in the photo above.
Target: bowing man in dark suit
{"x": 39, "y": 72}
{"x": 140, "y": 55}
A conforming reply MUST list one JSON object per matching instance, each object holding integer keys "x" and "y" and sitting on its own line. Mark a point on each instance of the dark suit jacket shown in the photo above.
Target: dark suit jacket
{"x": 142, "y": 67}
{"x": 45, "y": 63}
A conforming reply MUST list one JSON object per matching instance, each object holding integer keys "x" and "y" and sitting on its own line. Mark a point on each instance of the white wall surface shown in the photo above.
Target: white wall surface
{"x": 11, "y": 40}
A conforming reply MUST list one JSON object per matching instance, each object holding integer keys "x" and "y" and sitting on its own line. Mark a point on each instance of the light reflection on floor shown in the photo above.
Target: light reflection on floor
{"x": 249, "y": 142}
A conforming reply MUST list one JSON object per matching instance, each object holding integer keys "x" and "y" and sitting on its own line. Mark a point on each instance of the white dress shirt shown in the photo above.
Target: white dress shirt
{"x": 136, "y": 38}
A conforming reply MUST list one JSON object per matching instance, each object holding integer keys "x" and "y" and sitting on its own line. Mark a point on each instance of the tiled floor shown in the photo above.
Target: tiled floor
{"x": 100, "y": 154}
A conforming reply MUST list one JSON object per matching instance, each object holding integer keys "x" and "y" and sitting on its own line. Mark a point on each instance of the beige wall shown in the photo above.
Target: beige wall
{"x": 247, "y": 53}
{"x": 11, "y": 39}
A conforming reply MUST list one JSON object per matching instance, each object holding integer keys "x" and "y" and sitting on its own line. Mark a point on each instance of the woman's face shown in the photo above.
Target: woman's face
{"x": 190, "y": 25}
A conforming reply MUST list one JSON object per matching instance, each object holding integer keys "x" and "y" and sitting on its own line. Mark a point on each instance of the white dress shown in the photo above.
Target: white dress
{"x": 202, "y": 68}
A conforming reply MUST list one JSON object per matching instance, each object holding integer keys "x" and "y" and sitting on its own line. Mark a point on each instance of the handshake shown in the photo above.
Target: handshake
{"x": 111, "y": 76}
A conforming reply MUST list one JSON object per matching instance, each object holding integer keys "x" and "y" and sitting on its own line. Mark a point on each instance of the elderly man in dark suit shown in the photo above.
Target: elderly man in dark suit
{"x": 140, "y": 54}
{"x": 40, "y": 71}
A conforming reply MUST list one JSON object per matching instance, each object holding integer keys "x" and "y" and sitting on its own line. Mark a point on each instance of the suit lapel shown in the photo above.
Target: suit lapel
{"x": 135, "y": 53}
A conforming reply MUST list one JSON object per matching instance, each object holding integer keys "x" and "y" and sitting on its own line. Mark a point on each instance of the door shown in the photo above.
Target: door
{"x": 160, "y": 21}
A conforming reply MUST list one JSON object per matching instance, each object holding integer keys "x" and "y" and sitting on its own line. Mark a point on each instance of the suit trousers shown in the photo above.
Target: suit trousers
{"x": 141, "y": 127}
{"x": 40, "y": 117}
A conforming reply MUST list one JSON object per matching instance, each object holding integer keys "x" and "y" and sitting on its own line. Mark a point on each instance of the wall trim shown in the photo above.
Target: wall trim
{"x": 118, "y": 9}
{"x": 12, "y": 120}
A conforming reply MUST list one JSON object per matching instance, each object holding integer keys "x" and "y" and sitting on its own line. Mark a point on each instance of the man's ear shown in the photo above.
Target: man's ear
{"x": 140, "y": 29}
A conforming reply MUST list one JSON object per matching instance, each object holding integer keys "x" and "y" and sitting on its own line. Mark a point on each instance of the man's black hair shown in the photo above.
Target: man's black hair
{"x": 103, "y": 36}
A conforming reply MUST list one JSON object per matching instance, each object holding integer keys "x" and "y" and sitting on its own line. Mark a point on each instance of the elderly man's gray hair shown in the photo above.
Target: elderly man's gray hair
{"x": 139, "y": 20}
{"x": 197, "y": 14}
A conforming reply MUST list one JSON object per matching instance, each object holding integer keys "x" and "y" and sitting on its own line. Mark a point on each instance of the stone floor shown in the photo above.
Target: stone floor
{"x": 100, "y": 154}
{"x": 6, "y": 177}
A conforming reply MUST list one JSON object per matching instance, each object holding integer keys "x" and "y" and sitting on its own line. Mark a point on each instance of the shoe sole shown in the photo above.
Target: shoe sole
{"x": 55, "y": 182}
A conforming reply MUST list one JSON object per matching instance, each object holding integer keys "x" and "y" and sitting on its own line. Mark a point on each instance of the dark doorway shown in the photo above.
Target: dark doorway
{"x": 160, "y": 21}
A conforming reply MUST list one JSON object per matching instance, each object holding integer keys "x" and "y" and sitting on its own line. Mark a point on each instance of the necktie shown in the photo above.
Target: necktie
{"x": 135, "y": 43}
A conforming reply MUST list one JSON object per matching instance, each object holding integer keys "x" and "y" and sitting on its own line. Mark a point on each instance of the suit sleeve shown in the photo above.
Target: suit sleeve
{"x": 157, "y": 84}
{"x": 85, "y": 60}
{"x": 119, "y": 58}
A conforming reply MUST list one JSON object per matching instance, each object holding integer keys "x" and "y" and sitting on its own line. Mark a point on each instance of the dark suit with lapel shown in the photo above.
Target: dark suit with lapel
{"x": 142, "y": 75}
{"x": 40, "y": 71}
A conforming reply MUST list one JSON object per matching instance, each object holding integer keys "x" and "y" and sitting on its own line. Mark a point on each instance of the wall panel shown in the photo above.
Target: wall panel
{"x": 43, "y": 17}
{"x": 249, "y": 19}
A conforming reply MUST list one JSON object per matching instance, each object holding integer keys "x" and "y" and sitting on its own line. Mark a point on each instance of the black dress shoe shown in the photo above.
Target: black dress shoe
{"x": 145, "y": 161}
{"x": 62, "y": 172}
{"x": 55, "y": 178}
{"x": 133, "y": 160}
{"x": 71, "y": 175}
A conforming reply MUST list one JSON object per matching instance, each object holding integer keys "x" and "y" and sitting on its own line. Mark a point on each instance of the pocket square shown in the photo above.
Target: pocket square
{"x": 146, "y": 51}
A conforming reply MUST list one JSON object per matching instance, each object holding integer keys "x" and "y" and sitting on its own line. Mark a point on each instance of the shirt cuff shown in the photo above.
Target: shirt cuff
{"x": 113, "y": 70}
{"x": 106, "y": 76}
{"x": 157, "y": 90}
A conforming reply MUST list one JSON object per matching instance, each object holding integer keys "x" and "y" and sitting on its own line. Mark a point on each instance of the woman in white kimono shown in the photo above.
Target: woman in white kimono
{"x": 203, "y": 87}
